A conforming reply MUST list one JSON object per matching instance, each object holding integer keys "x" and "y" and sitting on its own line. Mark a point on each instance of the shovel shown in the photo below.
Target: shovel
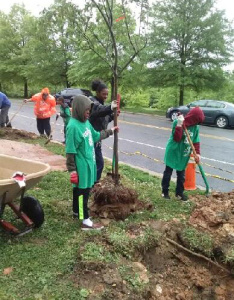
{"x": 9, "y": 121}
{"x": 199, "y": 165}
{"x": 52, "y": 130}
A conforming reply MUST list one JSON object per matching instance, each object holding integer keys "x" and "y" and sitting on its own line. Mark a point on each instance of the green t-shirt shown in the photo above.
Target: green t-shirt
{"x": 80, "y": 141}
{"x": 177, "y": 153}
{"x": 66, "y": 114}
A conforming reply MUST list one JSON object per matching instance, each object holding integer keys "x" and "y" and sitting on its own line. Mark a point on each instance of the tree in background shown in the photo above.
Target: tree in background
{"x": 191, "y": 42}
{"x": 16, "y": 32}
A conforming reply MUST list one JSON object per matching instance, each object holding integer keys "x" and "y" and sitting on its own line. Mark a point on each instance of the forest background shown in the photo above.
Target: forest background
{"x": 165, "y": 53}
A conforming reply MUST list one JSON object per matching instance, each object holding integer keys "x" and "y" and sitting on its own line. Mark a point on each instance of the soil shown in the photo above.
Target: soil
{"x": 166, "y": 270}
{"x": 10, "y": 145}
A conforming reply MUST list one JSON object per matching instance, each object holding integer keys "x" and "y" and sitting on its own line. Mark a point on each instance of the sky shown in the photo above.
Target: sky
{"x": 35, "y": 6}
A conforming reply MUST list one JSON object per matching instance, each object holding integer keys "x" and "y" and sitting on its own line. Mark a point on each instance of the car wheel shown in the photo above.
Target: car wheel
{"x": 174, "y": 115}
{"x": 221, "y": 122}
{"x": 32, "y": 208}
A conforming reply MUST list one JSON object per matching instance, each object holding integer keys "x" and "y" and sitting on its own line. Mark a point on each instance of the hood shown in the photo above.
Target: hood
{"x": 194, "y": 117}
{"x": 45, "y": 91}
{"x": 79, "y": 105}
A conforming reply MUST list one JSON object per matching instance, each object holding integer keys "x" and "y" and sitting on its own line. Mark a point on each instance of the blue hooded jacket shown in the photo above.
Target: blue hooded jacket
{"x": 4, "y": 101}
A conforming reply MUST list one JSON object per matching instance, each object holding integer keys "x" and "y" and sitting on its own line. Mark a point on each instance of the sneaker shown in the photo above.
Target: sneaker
{"x": 95, "y": 226}
{"x": 182, "y": 197}
{"x": 166, "y": 196}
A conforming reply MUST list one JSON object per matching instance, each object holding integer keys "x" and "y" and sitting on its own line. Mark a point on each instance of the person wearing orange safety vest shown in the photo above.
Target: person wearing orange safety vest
{"x": 44, "y": 108}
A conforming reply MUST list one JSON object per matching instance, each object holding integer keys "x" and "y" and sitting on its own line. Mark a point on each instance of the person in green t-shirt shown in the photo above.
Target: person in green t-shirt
{"x": 65, "y": 113}
{"x": 81, "y": 162}
{"x": 178, "y": 150}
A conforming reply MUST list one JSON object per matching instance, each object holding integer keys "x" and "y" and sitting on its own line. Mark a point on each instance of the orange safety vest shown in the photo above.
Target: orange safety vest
{"x": 44, "y": 108}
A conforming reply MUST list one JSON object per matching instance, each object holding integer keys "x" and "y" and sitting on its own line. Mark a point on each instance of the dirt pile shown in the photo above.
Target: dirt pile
{"x": 11, "y": 144}
{"x": 115, "y": 201}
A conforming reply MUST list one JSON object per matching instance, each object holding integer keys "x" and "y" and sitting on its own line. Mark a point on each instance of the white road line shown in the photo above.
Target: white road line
{"x": 161, "y": 148}
{"x": 147, "y": 145}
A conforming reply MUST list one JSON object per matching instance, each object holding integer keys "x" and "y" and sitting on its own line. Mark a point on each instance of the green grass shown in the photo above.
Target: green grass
{"x": 145, "y": 110}
{"x": 43, "y": 261}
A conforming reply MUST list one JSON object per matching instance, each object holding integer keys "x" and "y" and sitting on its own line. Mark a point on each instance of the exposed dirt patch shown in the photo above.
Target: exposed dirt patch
{"x": 147, "y": 268}
{"x": 115, "y": 201}
{"x": 11, "y": 146}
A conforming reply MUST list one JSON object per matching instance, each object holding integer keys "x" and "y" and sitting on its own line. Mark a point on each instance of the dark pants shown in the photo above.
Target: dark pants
{"x": 99, "y": 160}
{"x": 80, "y": 203}
{"x": 3, "y": 115}
{"x": 43, "y": 126}
{"x": 167, "y": 178}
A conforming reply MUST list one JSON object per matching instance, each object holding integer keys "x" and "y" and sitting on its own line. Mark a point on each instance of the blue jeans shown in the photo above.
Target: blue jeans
{"x": 99, "y": 160}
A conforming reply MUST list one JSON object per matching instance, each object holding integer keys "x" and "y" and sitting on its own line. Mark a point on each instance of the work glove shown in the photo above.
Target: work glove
{"x": 74, "y": 178}
{"x": 180, "y": 120}
{"x": 197, "y": 158}
{"x": 113, "y": 104}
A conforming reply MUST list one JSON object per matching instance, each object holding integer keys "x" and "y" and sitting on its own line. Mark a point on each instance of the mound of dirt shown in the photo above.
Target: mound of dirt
{"x": 115, "y": 201}
{"x": 11, "y": 146}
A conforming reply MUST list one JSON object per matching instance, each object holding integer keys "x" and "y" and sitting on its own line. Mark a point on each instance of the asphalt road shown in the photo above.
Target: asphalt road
{"x": 142, "y": 141}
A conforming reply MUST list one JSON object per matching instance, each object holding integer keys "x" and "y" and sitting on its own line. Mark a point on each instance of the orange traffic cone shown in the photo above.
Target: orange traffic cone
{"x": 190, "y": 175}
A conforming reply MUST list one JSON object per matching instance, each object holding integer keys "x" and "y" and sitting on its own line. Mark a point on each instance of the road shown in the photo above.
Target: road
{"x": 142, "y": 141}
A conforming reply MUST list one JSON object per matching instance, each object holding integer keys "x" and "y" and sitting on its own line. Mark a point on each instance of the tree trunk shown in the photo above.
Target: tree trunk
{"x": 115, "y": 165}
{"x": 181, "y": 102}
{"x": 25, "y": 89}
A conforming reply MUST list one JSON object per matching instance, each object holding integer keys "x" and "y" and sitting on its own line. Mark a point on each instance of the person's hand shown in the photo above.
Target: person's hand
{"x": 197, "y": 158}
{"x": 113, "y": 104}
{"x": 116, "y": 128}
{"x": 74, "y": 178}
{"x": 180, "y": 120}
{"x": 25, "y": 100}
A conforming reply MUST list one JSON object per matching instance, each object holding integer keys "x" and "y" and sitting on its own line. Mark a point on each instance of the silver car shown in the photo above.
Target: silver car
{"x": 219, "y": 113}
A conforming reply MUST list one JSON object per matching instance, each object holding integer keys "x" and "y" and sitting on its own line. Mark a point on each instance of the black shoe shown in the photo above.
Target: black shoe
{"x": 182, "y": 197}
{"x": 166, "y": 196}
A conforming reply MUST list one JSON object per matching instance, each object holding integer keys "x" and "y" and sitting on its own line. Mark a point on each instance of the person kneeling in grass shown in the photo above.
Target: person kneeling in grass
{"x": 81, "y": 162}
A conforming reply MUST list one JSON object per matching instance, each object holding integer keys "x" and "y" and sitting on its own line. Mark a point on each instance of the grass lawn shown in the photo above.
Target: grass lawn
{"x": 40, "y": 265}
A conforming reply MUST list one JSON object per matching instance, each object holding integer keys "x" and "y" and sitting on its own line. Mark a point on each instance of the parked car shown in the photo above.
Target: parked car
{"x": 219, "y": 113}
{"x": 69, "y": 93}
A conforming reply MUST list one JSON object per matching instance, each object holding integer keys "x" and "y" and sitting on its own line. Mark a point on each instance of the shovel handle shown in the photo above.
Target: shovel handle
{"x": 190, "y": 141}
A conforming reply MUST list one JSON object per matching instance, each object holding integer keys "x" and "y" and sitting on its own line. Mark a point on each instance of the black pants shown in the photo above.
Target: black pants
{"x": 43, "y": 126}
{"x": 80, "y": 203}
{"x": 99, "y": 160}
{"x": 167, "y": 178}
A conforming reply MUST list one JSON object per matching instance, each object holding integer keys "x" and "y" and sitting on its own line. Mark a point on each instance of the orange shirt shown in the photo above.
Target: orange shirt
{"x": 44, "y": 108}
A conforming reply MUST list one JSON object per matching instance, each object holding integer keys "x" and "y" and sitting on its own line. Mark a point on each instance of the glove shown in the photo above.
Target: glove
{"x": 57, "y": 116}
{"x": 197, "y": 158}
{"x": 74, "y": 178}
{"x": 113, "y": 105}
{"x": 180, "y": 120}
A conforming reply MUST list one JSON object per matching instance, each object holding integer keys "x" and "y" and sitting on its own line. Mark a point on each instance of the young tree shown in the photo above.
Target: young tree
{"x": 115, "y": 38}
{"x": 191, "y": 42}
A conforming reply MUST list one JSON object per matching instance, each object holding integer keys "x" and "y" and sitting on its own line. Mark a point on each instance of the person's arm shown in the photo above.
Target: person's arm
{"x": 70, "y": 162}
{"x": 107, "y": 132}
{"x": 99, "y": 110}
{"x": 28, "y": 100}
{"x": 178, "y": 133}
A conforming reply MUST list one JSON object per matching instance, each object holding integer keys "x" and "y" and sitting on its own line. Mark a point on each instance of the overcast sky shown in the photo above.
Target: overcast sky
{"x": 35, "y": 6}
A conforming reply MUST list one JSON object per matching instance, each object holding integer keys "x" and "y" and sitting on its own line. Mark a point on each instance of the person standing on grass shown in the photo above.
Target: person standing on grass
{"x": 44, "y": 108}
{"x": 178, "y": 150}
{"x": 101, "y": 116}
{"x": 81, "y": 163}
{"x": 5, "y": 105}
{"x": 65, "y": 113}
